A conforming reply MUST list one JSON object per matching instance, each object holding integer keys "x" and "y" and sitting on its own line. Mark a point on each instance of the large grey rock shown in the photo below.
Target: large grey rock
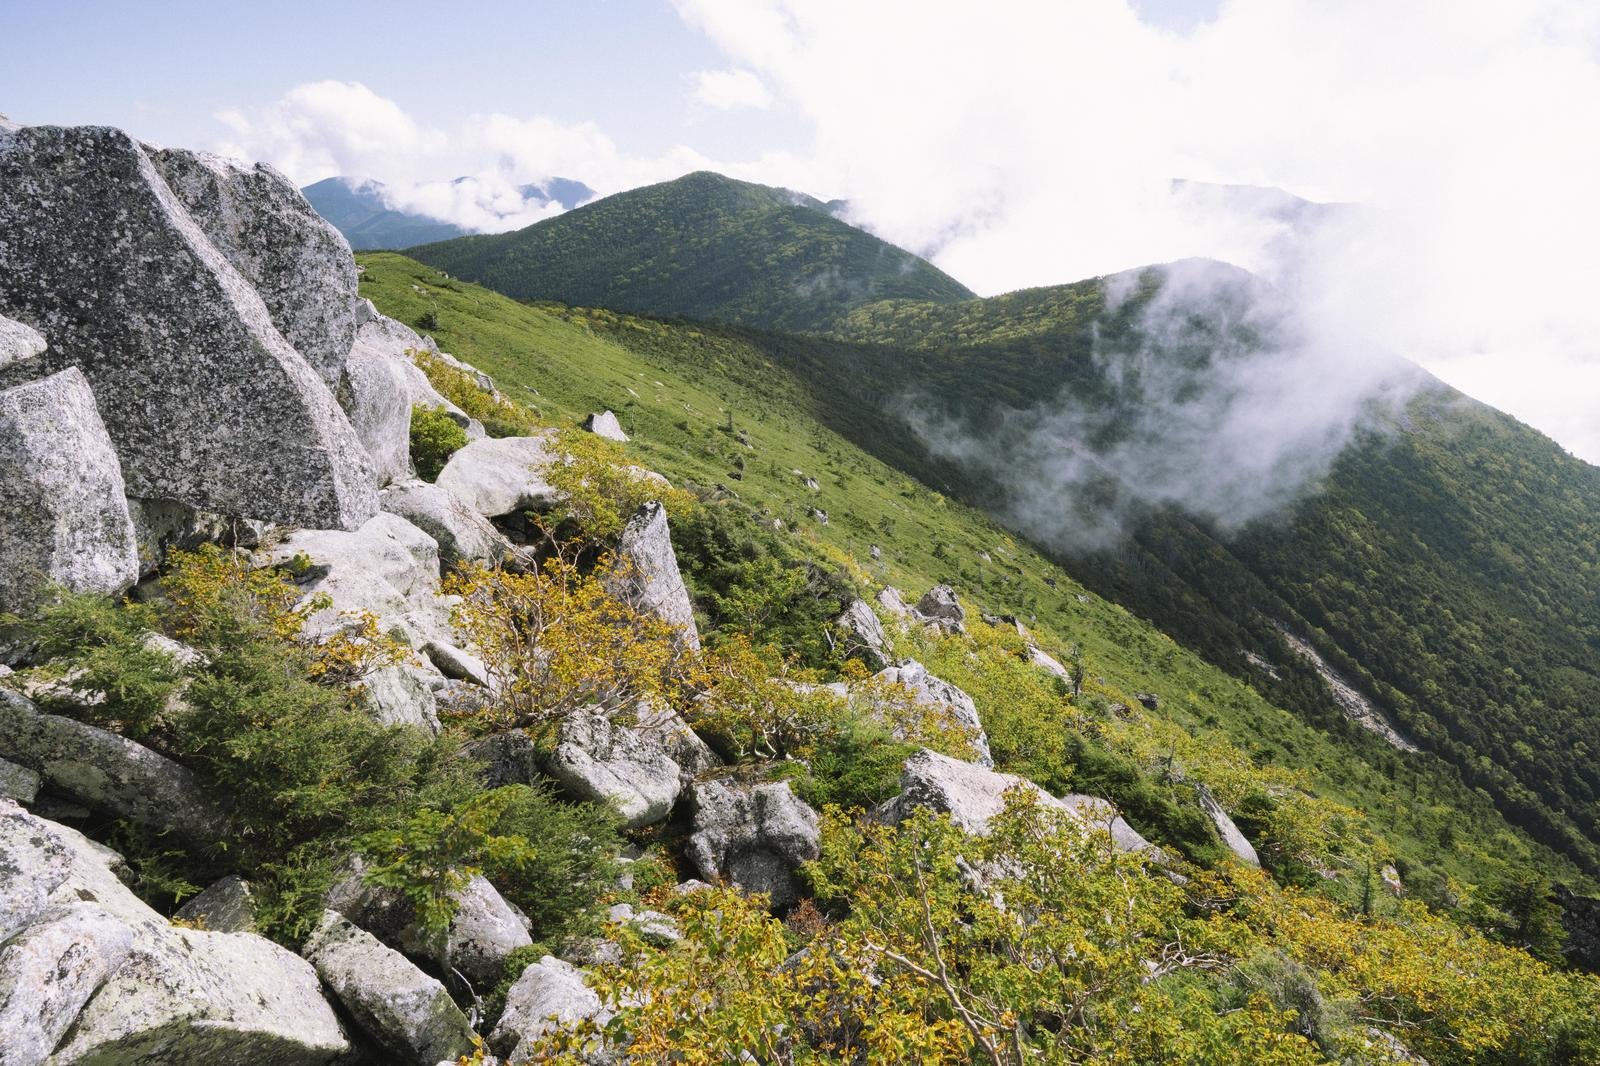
{"x": 463, "y": 535}
{"x": 863, "y": 635}
{"x": 228, "y": 905}
{"x": 605, "y": 424}
{"x": 18, "y": 342}
{"x": 388, "y": 567}
{"x": 943, "y": 698}
{"x": 549, "y": 995}
{"x": 33, "y": 862}
{"x": 597, "y": 759}
{"x": 204, "y": 399}
{"x": 65, "y": 512}
{"x": 484, "y": 930}
{"x": 500, "y": 476}
{"x": 972, "y": 795}
{"x": 648, "y": 576}
{"x": 18, "y": 782}
{"x": 401, "y": 694}
{"x": 297, "y": 261}
{"x": 375, "y": 394}
{"x": 398, "y": 1005}
{"x": 178, "y": 995}
{"x": 49, "y": 971}
{"x": 108, "y": 772}
{"x": 755, "y": 836}
{"x": 398, "y": 342}
{"x": 1236, "y": 841}
{"x": 940, "y": 606}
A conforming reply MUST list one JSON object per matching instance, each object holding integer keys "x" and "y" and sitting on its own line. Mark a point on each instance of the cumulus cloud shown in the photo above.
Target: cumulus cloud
{"x": 729, "y": 90}
{"x": 1028, "y": 143}
{"x": 328, "y": 128}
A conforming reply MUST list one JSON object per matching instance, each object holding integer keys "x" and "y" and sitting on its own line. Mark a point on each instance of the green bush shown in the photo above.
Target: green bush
{"x": 435, "y": 437}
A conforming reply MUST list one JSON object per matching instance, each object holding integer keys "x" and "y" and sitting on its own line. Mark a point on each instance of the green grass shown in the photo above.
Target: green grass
{"x": 692, "y": 396}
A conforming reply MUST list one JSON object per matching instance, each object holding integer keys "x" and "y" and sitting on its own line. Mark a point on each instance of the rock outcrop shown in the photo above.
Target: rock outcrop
{"x": 755, "y": 836}
{"x": 165, "y": 994}
{"x": 407, "y": 1012}
{"x": 108, "y": 772}
{"x": 501, "y": 476}
{"x": 1236, "y": 841}
{"x": 943, "y": 699}
{"x": 376, "y": 396}
{"x": 463, "y": 535}
{"x": 863, "y": 635}
{"x": 483, "y": 932}
{"x": 294, "y": 259}
{"x": 203, "y": 398}
{"x": 61, "y": 492}
{"x": 648, "y": 575}
{"x": 940, "y": 607}
{"x": 972, "y": 796}
{"x": 550, "y": 994}
{"x": 599, "y": 760}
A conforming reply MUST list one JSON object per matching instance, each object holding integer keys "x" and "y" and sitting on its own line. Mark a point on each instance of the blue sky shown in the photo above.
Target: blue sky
{"x": 1015, "y": 142}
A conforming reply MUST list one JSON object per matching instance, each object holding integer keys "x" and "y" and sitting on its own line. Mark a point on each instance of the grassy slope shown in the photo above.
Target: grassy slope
{"x": 704, "y": 246}
{"x": 675, "y": 387}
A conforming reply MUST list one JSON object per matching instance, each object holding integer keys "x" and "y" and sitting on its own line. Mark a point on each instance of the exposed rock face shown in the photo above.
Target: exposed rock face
{"x": 168, "y": 994}
{"x": 864, "y": 635}
{"x": 508, "y": 758}
{"x": 108, "y": 772}
{"x": 397, "y": 341}
{"x": 18, "y": 782}
{"x": 203, "y": 398}
{"x": 49, "y": 971}
{"x": 463, "y": 535}
{"x": 61, "y": 492}
{"x": 398, "y": 1005}
{"x": 943, "y": 698}
{"x": 298, "y": 263}
{"x": 889, "y": 599}
{"x": 159, "y": 526}
{"x": 18, "y": 343}
{"x": 650, "y": 578}
{"x": 756, "y": 837}
{"x": 375, "y": 395}
{"x": 605, "y": 424}
{"x": 500, "y": 476}
{"x": 972, "y": 796}
{"x": 401, "y": 695}
{"x": 940, "y": 606}
{"x": 1355, "y": 705}
{"x": 549, "y": 995}
{"x": 1241, "y": 847}
{"x": 1048, "y": 662}
{"x": 227, "y": 906}
{"x": 1580, "y": 917}
{"x": 597, "y": 759}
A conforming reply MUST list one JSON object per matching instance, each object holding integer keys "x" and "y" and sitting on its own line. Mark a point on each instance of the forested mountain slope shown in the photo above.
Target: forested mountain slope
{"x": 702, "y": 246}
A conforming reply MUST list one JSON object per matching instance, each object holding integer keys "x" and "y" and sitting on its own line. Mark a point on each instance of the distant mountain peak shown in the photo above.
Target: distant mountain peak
{"x": 361, "y": 209}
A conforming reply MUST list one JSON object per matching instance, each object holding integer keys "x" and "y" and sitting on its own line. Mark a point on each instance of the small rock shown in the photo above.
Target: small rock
{"x": 483, "y": 932}
{"x": 1236, "y": 841}
{"x": 940, "y": 606}
{"x": 649, "y": 577}
{"x": 605, "y": 424}
{"x": 943, "y": 697}
{"x": 864, "y": 635}
{"x": 227, "y": 906}
{"x": 18, "y": 782}
{"x": 18, "y": 342}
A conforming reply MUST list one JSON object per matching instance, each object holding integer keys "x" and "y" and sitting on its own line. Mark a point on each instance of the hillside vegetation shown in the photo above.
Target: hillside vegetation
{"x": 702, "y": 246}
{"x": 716, "y": 407}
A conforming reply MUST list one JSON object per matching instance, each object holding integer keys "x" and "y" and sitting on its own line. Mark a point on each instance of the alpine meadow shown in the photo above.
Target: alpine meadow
{"x": 551, "y": 562}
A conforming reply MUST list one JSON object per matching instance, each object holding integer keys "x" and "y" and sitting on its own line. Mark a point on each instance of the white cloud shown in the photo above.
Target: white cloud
{"x": 729, "y": 90}
{"x": 328, "y": 128}
{"x": 1032, "y": 143}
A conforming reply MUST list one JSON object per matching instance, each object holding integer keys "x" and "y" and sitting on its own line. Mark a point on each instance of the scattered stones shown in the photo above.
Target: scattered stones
{"x": 61, "y": 491}
{"x": 409, "y": 1013}
{"x": 605, "y": 424}
{"x": 204, "y": 400}
{"x": 755, "y": 836}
